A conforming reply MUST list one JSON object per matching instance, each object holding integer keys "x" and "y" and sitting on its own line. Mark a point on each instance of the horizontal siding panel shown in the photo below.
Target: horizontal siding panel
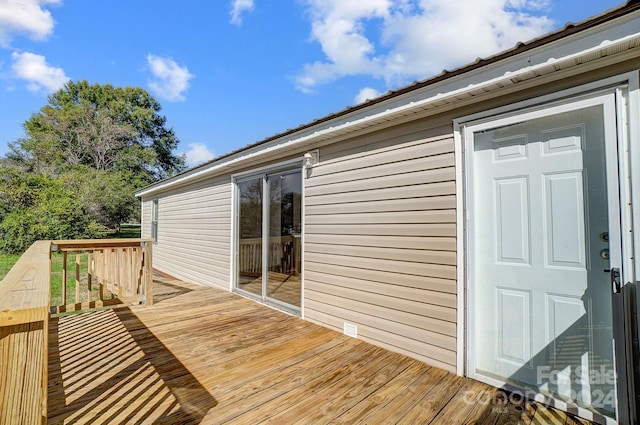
{"x": 177, "y": 233}
{"x": 384, "y": 253}
{"x": 200, "y": 217}
{"x": 374, "y": 217}
{"x": 199, "y": 277}
{"x": 425, "y": 153}
{"x": 421, "y": 177}
{"x": 215, "y": 197}
{"x": 198, "y": 241}
{"x": 403, "y": 242}
{"x": 177, "y": 242}
{"x": 386, "y": 140}
{"x": 437, "y": 306}
{"x": 404, "y": 267}
{"x": 377, "y": 338}
{"x": 378, "y": 313}
{"x": 436, "y": 356}
{"x": 366, "y": 322}
{"x": 387, "y": 205}
{"x": 427, "y": 283}
{"x": 209, "y": 224}
{"x": 443, "y": 299}
{"x": 208, "y": 187}
{"x": 197, "y": 259}
{"x": 401, "y": 167}
{"x": 213, "y": 243}
{"x": 409, "y": 132}
{"x": 447, "y": 229}
{"x": 202, "y": 197}
{"x": 412, "y": 191}
{"x": 203, "y": 210}
{"x": 145, "y": 230}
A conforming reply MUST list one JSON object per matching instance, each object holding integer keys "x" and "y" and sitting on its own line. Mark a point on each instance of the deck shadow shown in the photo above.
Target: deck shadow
{"x": 164, "y": 290}
{"x": 107, "y": 367}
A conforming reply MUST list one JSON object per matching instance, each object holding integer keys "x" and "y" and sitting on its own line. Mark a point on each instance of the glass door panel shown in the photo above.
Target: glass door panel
{"x": 249, "y": 267}
{"x": 285, "y": 229}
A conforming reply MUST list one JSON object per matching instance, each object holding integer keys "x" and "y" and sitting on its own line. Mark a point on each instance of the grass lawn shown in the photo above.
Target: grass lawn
{"x": 6, "y": 262}
{"x": 128, "y": 231}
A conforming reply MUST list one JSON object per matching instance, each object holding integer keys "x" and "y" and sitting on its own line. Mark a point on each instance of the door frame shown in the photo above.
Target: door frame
{"x": 625, "y": 90}
{"x": 263, "y": 172}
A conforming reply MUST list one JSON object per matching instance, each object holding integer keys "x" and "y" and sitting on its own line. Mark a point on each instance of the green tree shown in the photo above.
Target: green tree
{"x": 83, "y": 156}
{"x": 100, "y": 126}
{"x": 37, "y": 206}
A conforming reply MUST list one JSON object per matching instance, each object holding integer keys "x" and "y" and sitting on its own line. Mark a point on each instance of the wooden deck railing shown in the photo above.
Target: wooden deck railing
{"x": 121, "y": 268}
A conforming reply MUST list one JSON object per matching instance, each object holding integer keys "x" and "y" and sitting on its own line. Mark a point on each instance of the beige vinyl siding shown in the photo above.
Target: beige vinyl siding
{"x": 145, "y": 231}
{"x": 194, "y": 232}
{"x": 380, "y": 240}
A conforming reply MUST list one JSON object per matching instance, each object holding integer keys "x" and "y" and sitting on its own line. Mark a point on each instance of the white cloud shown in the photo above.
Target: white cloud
{"x": 37, "y": 72}
{"x": 25, "y": 17}
{"x": 400, "y": 40}
{"x": 171, "y": 80}
{"x": 365, "y": 94}
{"x": 197, "y": 154}
{"x": 238, "y": 7}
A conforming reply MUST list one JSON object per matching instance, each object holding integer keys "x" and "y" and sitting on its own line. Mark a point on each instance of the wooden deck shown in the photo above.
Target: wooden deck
{"x": 201, "y": 355}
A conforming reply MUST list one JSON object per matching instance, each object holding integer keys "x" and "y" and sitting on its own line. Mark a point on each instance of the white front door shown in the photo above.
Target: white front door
{"x": 541, "y": 316}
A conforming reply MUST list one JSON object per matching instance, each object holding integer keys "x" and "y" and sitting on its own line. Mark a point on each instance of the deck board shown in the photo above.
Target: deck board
{"x": 201, "y": 355}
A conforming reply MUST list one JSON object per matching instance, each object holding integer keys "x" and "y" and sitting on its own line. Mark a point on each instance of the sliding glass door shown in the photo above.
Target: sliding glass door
{"x": 269, "y": 229}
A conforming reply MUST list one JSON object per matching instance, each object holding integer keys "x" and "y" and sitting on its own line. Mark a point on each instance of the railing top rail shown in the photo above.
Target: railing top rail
{"x": 87, "y": 244}
{"x": 24, "y": 292}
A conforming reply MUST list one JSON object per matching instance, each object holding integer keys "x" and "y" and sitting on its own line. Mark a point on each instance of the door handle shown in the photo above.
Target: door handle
{"x": 614, "y": 275}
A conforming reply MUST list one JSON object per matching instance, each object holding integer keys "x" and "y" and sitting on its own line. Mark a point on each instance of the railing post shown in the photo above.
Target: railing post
{"x": 64, "y": 277}
{"x": 89, "y": 274}
{"x": 99, "y": 271}
{"x": 45, "y": 348}
{"x": 78, "y": 277}
{"x": 148, "y": 272}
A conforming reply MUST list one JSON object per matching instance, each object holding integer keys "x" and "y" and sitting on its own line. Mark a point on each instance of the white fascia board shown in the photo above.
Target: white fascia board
{"x": 408, "y": 104}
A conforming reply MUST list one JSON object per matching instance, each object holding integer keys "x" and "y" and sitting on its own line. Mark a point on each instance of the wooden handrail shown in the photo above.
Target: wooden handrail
{"x": 24, "y": 291}
{"x": 76, "y": 244}
{"x": 24, "y": 325}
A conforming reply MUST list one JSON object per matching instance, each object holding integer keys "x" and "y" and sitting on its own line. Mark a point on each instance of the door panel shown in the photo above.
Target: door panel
{"x": 285, "y": 229}
{"x": 564, "y": 220}
{"x": 512, "y": 217}
{"x": 249, "y": 262}
{"x": 514, "y": 311}
{"x": 542, "y": 316}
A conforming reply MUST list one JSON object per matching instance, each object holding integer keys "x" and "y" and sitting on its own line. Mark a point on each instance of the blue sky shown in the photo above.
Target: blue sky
{"x": 230, "y": 73}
